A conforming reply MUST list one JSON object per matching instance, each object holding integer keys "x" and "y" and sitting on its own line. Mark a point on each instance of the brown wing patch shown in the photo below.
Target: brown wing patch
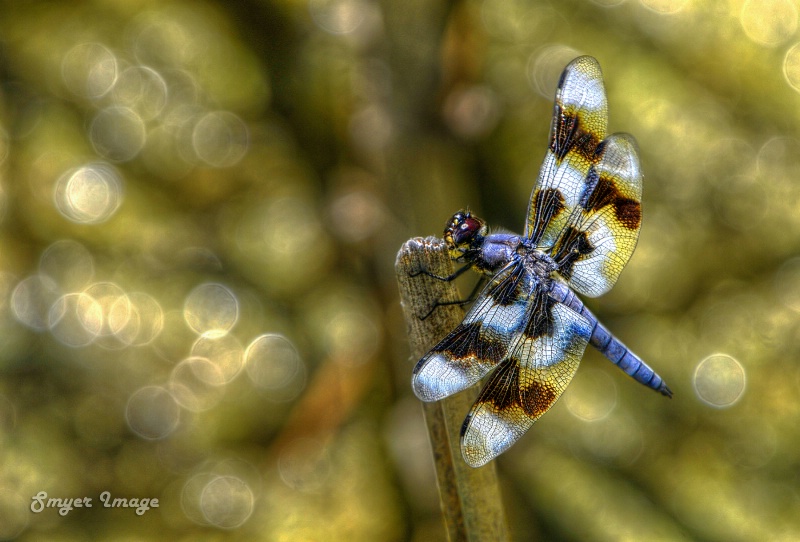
{"x": 503, "y": 393}
{"x": 471, "y": 341}
{"x": 481, "y": 340}
{"x": 538, "y": 397}
{"x": 509, "y": 289}
{"x": 548, "y": 204}
{"x": 580, "y": 117}
{"x": 627, "y": 211}
{"x": 525, "y": 386}
{"x": 600, "y": 234}
{"x": 571, "y": 246}
{"x": 568, "y": 135}
{"x": 506, "y": 394}
{"x": 541, "y": 323}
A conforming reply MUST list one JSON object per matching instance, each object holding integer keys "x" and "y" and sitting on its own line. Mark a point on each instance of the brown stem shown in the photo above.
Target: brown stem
{"x": 470, "y": 498}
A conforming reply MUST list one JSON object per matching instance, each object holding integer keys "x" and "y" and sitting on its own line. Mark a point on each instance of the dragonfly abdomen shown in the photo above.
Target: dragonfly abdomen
{"x": 608, "y": 345}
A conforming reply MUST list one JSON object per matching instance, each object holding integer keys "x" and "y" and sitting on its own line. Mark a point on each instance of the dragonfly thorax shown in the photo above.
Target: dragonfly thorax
{"x": 541, "y": 263}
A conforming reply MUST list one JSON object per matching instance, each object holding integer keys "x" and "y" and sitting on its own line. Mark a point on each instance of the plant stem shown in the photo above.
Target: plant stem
{"x": 470, "y": 498}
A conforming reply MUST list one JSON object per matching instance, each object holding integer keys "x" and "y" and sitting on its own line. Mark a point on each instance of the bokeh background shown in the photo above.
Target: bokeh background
{"x": 201, "y": 203}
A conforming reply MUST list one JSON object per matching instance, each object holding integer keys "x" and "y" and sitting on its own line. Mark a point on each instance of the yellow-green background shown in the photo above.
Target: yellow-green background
{"x": 344, "y": 127}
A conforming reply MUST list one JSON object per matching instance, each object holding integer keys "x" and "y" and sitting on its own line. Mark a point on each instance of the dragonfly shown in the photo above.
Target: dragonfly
{"x": 527, "y": 329}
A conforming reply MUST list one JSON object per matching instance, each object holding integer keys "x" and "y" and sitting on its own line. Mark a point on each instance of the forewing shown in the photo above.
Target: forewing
{"x": 580, "y": 118}
{"x": 602, "y": 231}
{"x": 480, "y": 341}
{"x": 543, "y": 360}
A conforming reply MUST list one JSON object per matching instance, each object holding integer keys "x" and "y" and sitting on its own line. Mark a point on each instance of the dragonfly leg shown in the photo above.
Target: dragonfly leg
{"x": 460, "y": 302}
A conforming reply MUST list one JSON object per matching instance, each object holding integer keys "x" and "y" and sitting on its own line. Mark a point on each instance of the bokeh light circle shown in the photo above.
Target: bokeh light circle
{"x": 304, "y": 464}
{"x": 117, "y": 313}
{"x": 150, "y": 318}
{"x": 159, "y": 40}
{"x": 196, "y": 384}
{"x": 592, "y": 395}
{"x": 608, "y": 3}
{"x": 68, "y": 263}
{"x": 272, "y": 361}
{"x": 791, "y": 67}
{"x": 787, "y": 283}
{"x": 664, "y": 7}
{"x": 220, "y": 139}
{"x": 118, "y": 133}
{"x": 191, "y": 492}
{"x": 371, "y": 128}
{"x": 769, "y": 22}
{"x": 211, "y": 307}
{"x": 275, "y": 235}
{"x": 75, "y": 319}
{"x": 719, "y": 380}
{"x": 616, "y": 439}
{"x": 223, "y": 350}
{"x": 352, "y": 337}
{"x": 356, "y": 215}
{"x": 89, "y": 70}
{"x": 152, "y": 413}
{"x": 226, "y": 502}
{"x": 471, "y": 112}
{"x": 545, "y": 67}
{"x": 90, "y": 194}
{"x": 141, "y": 89}
{"x": 338, "y": 16}
{"x": 31, "y": 301}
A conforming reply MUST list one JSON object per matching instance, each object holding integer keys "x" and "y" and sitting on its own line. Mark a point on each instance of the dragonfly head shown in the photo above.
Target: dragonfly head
{"x": 463, "y": 233}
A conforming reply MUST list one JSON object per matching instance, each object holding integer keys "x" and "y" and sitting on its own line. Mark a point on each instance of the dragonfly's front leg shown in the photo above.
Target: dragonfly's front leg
{"x": 449, "y": 278}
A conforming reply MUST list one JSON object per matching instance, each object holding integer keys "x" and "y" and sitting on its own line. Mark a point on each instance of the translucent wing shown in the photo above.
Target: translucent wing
{"x": 480, "y": 341}
{"x": 580, "y": 118}
{"x": 543, "y": 360}
{"x": 601, "y": 232}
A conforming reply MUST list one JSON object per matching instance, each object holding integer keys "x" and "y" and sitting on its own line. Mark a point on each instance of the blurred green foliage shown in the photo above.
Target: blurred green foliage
{"x": 201, "y": 205}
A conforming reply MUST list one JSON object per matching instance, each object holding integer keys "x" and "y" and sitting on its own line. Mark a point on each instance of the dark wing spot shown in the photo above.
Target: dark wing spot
{"x": 509, "y": 290}
{"x": 571, "y": 246}
{"x": 502, "y": 390}
{"x": 568, "y": 135}
{"x": 548, "y": 203}
{"x": 537, "y": 397}
{"x": 541, "y": 322}
{"x": 563, "y": 132}
{"x": 629, "y": 212}
{"x": 605, "y": 192}
{"x": 468, "y": 342}
{"x": 589, "y": 187}
{"x": 461, "y": 342}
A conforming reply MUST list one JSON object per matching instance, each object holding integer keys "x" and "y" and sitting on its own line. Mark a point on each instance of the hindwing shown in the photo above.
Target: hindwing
{"x": 480, "y": 341}
{"x": 528, "y": 382}
{"x": 601, "y": 233}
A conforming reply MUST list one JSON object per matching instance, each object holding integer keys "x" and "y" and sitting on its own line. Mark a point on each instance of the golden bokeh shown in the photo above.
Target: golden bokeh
{"x": 200, "y": 207}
